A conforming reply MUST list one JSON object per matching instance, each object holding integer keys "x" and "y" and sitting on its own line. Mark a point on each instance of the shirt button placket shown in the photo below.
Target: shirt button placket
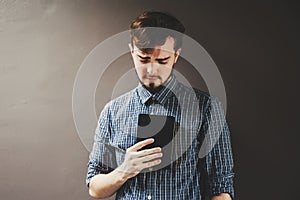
{"x": 152, "y": 106}
{"x": 149, "y": 197}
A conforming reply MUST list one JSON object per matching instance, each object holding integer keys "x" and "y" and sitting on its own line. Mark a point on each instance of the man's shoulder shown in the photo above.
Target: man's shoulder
{"x": 202, "y": 97}
{"x": 198, "y": 93}
{"x": 201, "y": 93}
{"x": 122, "y": 99}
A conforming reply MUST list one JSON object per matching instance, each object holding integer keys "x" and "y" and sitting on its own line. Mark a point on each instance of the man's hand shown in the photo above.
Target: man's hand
{"x": 222, "y": 196}
{"x": 135, "y": 160}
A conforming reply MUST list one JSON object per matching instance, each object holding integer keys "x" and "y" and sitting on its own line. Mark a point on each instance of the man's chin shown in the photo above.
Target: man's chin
{"x": 153, "y": 85}
{"x": 153, "y": 88}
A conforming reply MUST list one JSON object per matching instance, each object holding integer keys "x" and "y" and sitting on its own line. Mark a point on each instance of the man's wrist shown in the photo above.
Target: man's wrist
{"x": 121, "y": 175}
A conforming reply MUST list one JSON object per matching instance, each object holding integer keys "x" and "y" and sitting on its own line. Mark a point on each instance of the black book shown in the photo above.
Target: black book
{"x": 162, "y": 129}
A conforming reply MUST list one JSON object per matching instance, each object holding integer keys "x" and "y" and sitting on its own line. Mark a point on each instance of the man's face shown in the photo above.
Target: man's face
{"x": 154, "y": 69}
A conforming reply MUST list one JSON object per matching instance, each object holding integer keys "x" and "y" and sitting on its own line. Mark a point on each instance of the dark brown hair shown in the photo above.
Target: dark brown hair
{"x": 146, "y": 38}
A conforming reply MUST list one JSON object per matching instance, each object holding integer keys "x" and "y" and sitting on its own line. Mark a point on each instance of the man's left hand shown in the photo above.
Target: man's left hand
{"x": 222, "y": 196}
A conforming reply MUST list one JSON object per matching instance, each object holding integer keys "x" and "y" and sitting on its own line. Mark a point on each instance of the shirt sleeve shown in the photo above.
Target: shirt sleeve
{"x": 101, "y": 158}
{"x": 217, "y": 153}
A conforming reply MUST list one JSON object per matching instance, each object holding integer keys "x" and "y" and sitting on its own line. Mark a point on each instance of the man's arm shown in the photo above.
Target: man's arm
{"x": 105, "y": 185}
{"x": 218, "y": 163}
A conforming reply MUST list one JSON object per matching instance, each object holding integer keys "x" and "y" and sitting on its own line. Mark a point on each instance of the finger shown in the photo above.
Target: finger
{"x": 141, "y": 144}
{"x": 150, "y": 157}
{"x": 148, "y": 151}
{"x": 151, "y": 164}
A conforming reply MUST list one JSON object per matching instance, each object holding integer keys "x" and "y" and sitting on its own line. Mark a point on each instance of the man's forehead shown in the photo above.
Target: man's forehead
{"x": 165, "y": 49}
{"x": 157, "y": 52}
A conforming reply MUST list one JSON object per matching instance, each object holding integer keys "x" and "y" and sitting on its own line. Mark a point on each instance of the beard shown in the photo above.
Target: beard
{"x": 151, "y": 86}
{"x": 154, "y": 89}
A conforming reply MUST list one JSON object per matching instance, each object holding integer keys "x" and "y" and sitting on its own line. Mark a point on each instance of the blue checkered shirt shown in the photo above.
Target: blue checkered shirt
{"x": 201, "y": 149}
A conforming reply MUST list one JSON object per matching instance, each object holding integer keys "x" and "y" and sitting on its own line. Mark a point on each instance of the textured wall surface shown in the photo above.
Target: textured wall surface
{"x": 44, "y": 42}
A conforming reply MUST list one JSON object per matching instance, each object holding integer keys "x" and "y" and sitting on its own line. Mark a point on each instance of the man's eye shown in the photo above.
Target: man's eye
{"x": 144, "y": 61}
{"x": 163, "y": 63}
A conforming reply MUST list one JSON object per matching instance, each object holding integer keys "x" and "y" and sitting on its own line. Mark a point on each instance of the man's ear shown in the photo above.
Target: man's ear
{"x": 131, "y": 48}
{"x": 177, "y": 54}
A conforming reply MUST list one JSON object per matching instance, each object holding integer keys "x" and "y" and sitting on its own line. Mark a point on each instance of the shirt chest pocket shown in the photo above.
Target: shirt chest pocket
{"x": 124, "y": 137}
{"x": 124, "y": 131}
{"x": 123, "y": 140}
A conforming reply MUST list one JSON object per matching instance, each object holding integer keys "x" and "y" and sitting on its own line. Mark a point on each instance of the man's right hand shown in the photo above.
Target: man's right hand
{"x": 135, "y": 160}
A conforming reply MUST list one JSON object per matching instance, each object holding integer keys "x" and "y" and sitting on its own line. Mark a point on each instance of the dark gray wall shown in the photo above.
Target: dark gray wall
{"x": 43, "y": 43}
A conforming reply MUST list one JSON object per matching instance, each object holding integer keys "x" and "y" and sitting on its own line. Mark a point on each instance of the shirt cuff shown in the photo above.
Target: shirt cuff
{"x": 95, "y": 168}
{"x": 223, "y": 185}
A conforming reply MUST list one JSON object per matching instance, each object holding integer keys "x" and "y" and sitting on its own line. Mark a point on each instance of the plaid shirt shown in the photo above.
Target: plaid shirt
{"x": 201, "y": 149}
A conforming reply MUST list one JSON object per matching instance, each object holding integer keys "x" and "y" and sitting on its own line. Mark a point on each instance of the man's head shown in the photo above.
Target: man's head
{"x": 156, "y": 40}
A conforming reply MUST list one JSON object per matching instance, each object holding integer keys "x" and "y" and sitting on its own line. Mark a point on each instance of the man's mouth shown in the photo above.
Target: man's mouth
{"x": 152, "y": 78}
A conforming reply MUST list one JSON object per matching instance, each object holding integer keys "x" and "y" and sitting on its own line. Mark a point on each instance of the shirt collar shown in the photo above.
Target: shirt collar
{"x": 161, "y": 96}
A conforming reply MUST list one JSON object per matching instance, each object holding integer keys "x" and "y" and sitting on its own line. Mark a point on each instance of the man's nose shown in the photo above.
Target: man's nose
{"x": 151, "y": 68}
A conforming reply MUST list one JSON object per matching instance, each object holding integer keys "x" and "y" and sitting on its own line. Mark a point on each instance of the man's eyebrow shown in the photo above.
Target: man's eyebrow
{"x": 158, "y": 59}
{"x": 142, "y": 57}
{"x": 162, "y": 59}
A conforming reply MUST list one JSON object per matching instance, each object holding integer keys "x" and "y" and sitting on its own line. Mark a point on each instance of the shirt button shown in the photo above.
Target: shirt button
{"x": 149, "y": 197}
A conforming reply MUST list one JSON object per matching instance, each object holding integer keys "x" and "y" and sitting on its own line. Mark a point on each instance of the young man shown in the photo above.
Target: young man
{"x": 118, "y": 162}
